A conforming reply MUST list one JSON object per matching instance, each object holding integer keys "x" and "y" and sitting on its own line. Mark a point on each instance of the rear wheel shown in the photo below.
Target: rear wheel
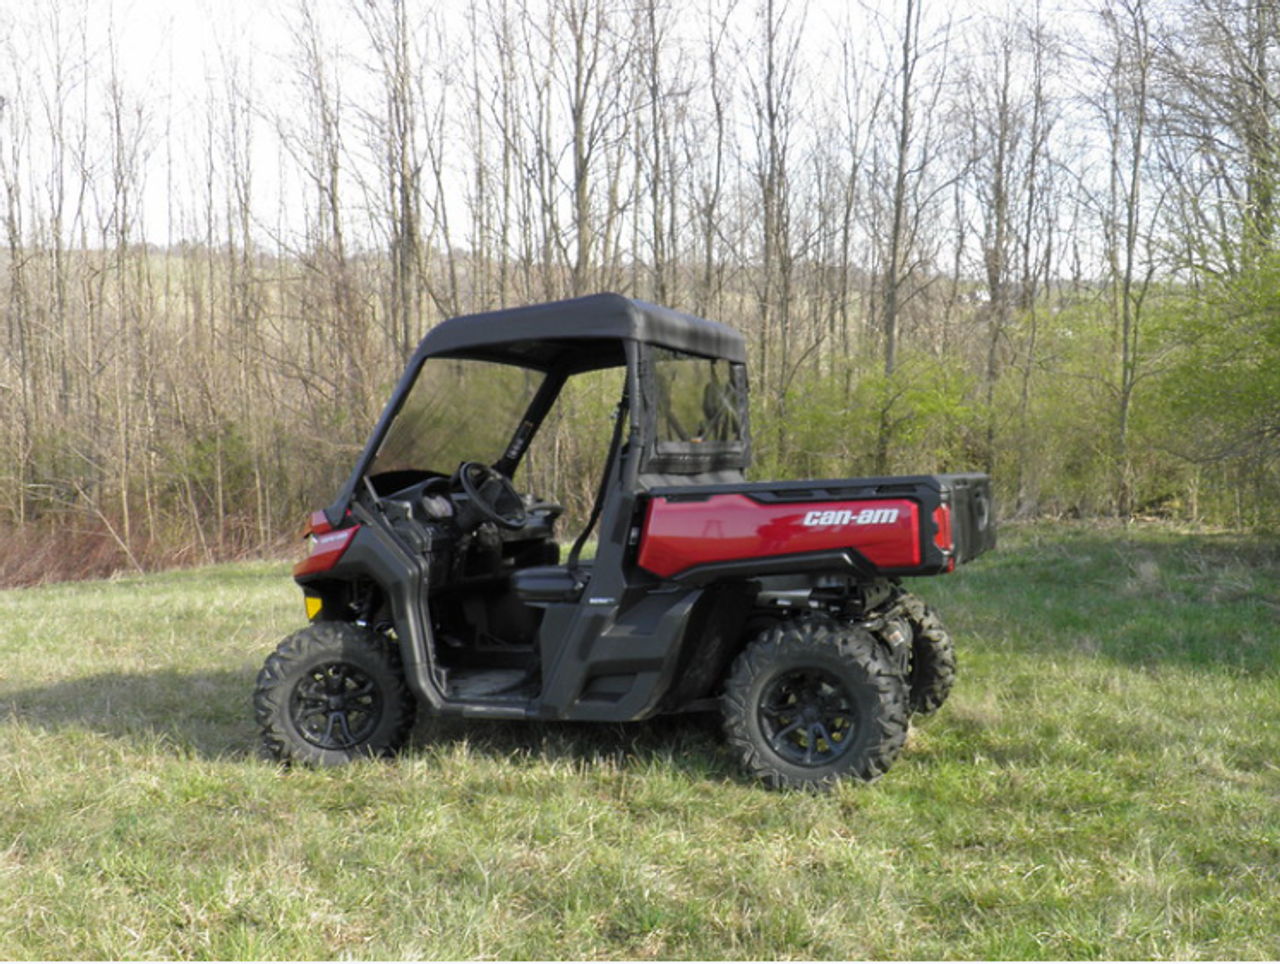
{"x": 332, "y": 693}
{"x": 933, "y": 657}
{"x": 811, "y": 701}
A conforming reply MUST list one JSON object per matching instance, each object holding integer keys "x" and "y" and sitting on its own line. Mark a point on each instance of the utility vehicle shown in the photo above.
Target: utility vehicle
{"x": 432, "y": 581}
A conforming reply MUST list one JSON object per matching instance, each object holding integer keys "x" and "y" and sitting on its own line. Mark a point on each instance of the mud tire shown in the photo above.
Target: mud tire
{"x": 809, "y": 702}
{"x": 933, "y": 658}
{"x": 333, "y": 693}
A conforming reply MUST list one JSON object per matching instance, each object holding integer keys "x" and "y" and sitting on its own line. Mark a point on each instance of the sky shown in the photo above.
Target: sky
{"x": 188, "y": 34}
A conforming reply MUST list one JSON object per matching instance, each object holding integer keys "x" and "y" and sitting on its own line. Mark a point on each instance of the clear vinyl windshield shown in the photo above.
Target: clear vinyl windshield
{"x": 458, "y": 411}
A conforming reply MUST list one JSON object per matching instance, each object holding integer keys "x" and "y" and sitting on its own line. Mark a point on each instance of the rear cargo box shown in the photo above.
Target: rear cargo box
{"x": 905, "y": 526}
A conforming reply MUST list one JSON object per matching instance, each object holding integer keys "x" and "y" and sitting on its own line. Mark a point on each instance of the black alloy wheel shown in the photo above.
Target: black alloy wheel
{"x": 808, "y": 717}
{"x": 811, "y": 701}
{"x": 331, "y": 693}
{"x": 336, "y": 706}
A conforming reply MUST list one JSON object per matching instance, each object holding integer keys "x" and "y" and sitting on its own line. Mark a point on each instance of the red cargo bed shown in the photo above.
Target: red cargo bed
{"x": 904, "y": 526}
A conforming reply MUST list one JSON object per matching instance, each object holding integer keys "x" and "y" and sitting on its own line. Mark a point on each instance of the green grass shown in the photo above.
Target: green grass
{"x": 1103, "y": 783}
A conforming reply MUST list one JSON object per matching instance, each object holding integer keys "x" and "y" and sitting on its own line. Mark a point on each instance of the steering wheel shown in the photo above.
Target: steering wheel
{"x": 491, "y": 495}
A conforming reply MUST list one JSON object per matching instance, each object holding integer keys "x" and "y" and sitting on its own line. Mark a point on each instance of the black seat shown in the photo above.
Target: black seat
{"x": 543, "y": 585}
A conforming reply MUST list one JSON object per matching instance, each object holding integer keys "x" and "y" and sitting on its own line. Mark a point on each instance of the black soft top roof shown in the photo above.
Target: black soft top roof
{"x": 587, "y": 331}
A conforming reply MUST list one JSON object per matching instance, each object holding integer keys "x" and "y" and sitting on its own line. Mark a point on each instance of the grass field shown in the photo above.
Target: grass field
{"x": 1103, "y": 783}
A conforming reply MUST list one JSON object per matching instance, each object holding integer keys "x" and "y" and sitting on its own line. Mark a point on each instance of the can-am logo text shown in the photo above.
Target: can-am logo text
{"x": 847, "y": 517}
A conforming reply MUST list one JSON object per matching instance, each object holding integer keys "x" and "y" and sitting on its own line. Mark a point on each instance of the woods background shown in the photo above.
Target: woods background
{"x": 1013, "y": 241}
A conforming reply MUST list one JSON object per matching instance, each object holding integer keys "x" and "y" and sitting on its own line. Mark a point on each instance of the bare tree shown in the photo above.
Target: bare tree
{"x": 340, "y": 357}
{"x": 904, "y": 168}
{"x": 706, "y": 158}
{"x": 393, "y": 133}
{"x": 1005, "y": 114}
{"x": 862, "y": 101}
{"x": 661, "y": 103}
{"x": 19, "y": 378}
{"x": 1214, "y": 75}
{"x": 911, "y": 183}
{"x": 592, "y": 73}
{"x": 1040, "y": 225}
{"x": 1121, "y": 100}
{"x": 772, "y": 97}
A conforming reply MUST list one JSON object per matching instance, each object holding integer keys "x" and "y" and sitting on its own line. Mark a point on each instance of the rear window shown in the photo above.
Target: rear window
{"x": 698, "y": 399}
{"x": 697, "y": 407}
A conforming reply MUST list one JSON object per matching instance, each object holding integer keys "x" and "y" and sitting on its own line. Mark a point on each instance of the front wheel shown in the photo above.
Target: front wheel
{"x": 332, "y": 693}
{"x": 811, "y": 701}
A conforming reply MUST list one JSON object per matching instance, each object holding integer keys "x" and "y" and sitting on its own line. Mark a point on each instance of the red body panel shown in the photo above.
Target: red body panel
{"x": 326, "y": 548}
{"x": 681, "y": 534}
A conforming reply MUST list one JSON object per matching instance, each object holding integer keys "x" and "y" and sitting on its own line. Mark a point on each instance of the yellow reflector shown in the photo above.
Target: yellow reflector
{"x": 313, "y": 607}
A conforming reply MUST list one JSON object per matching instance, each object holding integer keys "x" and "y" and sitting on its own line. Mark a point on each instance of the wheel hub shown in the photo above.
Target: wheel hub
{"x": 807, "y": 717}
{"x": 336, "y": 706}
